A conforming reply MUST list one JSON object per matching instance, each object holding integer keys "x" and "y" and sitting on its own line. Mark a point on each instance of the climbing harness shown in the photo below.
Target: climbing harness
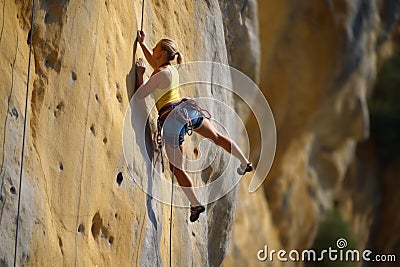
{"x": 24, "y": 133}
{"x": 181, "y": 110}
{"x": 191, "y": 104}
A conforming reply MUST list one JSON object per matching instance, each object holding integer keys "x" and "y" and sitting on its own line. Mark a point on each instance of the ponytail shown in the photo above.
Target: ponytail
{"x": 172, "y": 48}
{"x": 179, "y": 58}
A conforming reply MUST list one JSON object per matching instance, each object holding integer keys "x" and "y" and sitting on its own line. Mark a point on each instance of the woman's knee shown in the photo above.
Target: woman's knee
{"x": 182, "y": 178}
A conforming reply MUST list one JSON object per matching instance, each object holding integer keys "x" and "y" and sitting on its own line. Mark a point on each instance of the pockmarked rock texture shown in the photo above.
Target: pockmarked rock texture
{"x": 79, "y": 203}
{"x": 316, "y": 63}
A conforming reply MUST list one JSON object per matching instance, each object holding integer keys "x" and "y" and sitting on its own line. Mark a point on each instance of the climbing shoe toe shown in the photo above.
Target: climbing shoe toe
{"x": 243, "y": 169}
{"x": 195, "y": 212}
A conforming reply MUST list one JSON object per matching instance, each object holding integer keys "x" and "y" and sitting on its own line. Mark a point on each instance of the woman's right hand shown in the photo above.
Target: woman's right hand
{"x": 140, "y": 36}
{"x": 140, "y": 67}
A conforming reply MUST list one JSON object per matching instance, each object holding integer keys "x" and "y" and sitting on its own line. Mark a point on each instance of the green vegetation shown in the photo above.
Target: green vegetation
{"x": 384, "y": 107}
{"x": 330, "y": 230}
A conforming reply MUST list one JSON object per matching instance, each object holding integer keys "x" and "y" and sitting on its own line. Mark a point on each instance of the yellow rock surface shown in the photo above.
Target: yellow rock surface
{"x": 315, "y": 61}
{"x": 79, "y": 204}
{"x": 318, "y": 62}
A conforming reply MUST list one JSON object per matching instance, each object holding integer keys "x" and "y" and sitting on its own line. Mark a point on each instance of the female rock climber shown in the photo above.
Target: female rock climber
{"x": 175, "y": 124}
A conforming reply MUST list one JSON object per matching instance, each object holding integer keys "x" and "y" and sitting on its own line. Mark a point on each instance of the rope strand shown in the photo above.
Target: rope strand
{"x": 170, "y": 221}
{"x": 24, "y": 134}
{"x": 172, "y": 197}
{"x": 141, "y": 25}
{"x": 162, "y": 163}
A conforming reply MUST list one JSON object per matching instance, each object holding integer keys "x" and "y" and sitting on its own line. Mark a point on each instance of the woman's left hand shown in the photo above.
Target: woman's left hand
{"x": 140, "y": 67}
{"x": 140, "y": 36}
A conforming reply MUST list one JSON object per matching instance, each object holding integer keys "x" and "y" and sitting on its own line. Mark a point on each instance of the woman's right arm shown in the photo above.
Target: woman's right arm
{"x": 159, "y": 79}
{"x": 146, "y": 51}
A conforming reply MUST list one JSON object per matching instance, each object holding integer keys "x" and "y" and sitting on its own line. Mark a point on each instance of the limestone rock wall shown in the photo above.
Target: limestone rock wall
{"x": 321, "y": 64}
{"x": 79, "y": 203}
{"x": 319, "y": 61}
{"x": 315, "y": 61}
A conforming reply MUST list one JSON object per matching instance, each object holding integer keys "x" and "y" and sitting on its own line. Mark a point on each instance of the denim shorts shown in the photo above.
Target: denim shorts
{"x": 175, "y": 127}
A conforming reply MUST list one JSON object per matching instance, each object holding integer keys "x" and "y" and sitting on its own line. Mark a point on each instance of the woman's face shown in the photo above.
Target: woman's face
{"x": 157, "y": 51}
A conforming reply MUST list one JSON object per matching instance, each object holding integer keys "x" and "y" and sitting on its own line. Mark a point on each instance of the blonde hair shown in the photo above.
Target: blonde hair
{"x": 172, "y": 49}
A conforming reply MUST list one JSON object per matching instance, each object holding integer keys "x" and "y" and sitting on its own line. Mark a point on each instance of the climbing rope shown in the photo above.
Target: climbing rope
{"x": 141, "y": 24}
{"x": 172, "y": 198}
{"x": 159, "y": 142}
{"x": 24, "y": 133}
{"x": 170, "y": 219}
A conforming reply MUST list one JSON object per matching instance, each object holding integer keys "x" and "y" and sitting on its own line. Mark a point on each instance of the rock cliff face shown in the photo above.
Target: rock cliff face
{"x": 79, "y": 204}
{"x": 315, "y": 61}
{"x": 319, "y": 61}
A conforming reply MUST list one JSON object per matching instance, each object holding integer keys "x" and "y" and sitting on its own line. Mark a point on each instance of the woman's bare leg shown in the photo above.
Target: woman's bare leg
{"x": 208, "y": 131}
{"x": 175, "y": 159}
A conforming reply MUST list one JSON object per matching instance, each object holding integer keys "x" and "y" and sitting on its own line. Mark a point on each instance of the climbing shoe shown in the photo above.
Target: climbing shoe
{"x": 243, "y": 169}
{"x": 195, "y": 212}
